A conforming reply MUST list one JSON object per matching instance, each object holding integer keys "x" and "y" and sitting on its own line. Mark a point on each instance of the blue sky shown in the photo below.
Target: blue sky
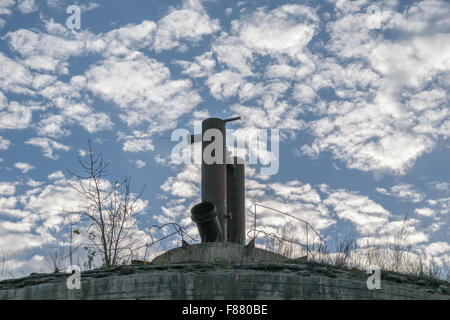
{"x": 362, "y": 112}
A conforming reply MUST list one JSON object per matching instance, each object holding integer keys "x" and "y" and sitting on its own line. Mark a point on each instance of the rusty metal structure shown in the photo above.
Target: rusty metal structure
{"x": 236, "y": 200}
{"x": 221, "y": 214}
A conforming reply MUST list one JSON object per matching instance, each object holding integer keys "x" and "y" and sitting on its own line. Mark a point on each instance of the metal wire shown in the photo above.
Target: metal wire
{"x": 281, "y": 239}
{"x": 181, "y": 231}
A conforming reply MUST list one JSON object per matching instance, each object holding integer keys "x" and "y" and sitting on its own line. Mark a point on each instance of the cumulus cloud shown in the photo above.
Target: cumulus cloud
{"x": 202, "y": 65}
{"x": 438, "y": 248}
{"x": 427, "y": 212}
{"x": 56, "y": 175}
{"x": 190, "y": 23}
{"x": 139, "y": 163}
{"x": 4, "y": 143}
{"x": 441, "y": 186}
{"x": 224, "y": 84}
{"x": 27, "y": 6}
{"x": 14, "y": 77}
{"x": 184, "y": 184}
{"x": 137, "y": 142}
{"x": 381, "y": 122}
{"x": 367, "y": 216}
{"x": 276, "y": 38}
{"x": 442, "y": 205}
{"x": 15, "y": 116}
{"x": 49, "y": 202}
{"x": 35, "y": 44}
{"x": 7, "y": 189}
{"x": 6, "y": 6}
{"x": 23, "y": 166}
{"x": 125, "y": 40}
{"x": 404, "y": 192}
{"x": 73, "y": 106}
{"x": 143, "y": 88}
{"x": 48, "y": 146}
{"x": 138, "y": 145}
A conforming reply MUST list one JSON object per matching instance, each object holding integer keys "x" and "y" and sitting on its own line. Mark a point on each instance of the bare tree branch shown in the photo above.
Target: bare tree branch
{"x": 107, "y": 212}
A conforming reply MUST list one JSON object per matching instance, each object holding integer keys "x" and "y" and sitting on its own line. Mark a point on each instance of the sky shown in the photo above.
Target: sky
{"x": 358, "y": 91}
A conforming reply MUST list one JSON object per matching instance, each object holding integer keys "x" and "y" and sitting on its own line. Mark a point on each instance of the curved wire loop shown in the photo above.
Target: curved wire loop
{"x": 178, "y": 230}
{"x": 310, "y": 250}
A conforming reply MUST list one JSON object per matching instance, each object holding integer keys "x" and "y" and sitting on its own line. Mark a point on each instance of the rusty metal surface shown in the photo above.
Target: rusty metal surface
{"x": 213, "y": 187}
{"x": 236, "y": 201}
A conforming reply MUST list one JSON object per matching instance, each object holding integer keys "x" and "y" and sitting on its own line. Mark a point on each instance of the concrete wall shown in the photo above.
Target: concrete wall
{"x": 214, "y": 252}
{"x": 207, "y": 281}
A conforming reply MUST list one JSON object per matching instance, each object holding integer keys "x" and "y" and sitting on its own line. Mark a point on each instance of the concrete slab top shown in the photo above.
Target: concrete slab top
{"x": 217, "y": 252}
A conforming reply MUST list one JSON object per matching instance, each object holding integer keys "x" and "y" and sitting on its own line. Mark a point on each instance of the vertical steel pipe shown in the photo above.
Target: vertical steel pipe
{"x": 213, "y": 186}
{"x": 236, "y": 200}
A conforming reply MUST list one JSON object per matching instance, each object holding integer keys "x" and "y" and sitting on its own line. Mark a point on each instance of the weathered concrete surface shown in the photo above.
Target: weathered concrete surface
{"x": 218, "y": 281}
{"x": 213, "y": 252}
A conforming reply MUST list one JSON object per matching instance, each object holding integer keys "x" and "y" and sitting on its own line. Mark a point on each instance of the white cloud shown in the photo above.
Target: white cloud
{"x": 27, "y": 6}
{"x": 6, "y": 5}
{"x": 422, "y": 17}
{"x": 367, "y": 216}
{"x": 23, "y": 166}
{"x": 203, "y": 65}
{"x": 224, "y": 84}
{"x": 292, "y": 197}
{"x": 137, "y": 142}
{"x": 14, "y": 77}
{"x": 17, "y": 242}
{"x": 426, "y": 212}
{"x": 82, "y": 152}
{"x": 442, "y": 205}
{"x": 4, "y": 143}
{"x": 49, "y": 202}
{"x": 403, "y": 192}
{"x": 34, "y": 43}
{"x": 48, "y": 146}
{"x": 279, "y": 71}
{"x": 32, "y": 183}
{"x": 73, "y": 107}
{"x": 124, "y": 40}
{"x": 85, "y": 7}
{"x": 282, "y": 117}
{"x": 52, "y": 126}
{"x": 54, "y": 3}
{"x": 437, "y": 248}
{"x": 95, "y": 121}
{"x": 138, "y": 145}
{"x": 15, "y": 116}
{"x": 185, "y": 184}
{"x": 139, "y": 163}
{"x": 391, "y": 110}
{"x": 143, "y": 88}
{"x": 24, "y": 267}
{"x": 56, "y": 175}
{"x": 41, "y": 63}
{"x": 189, "y": 23}
{"x": 285, "y": 30}
{"x": 7, "y": 189}
{"x": 7, "y": 205}
{"x": 441, "y": 186}
{"x": 278, "y": 34}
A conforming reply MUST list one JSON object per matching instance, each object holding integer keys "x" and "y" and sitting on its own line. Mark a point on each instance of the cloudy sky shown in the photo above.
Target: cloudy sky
{"x": 361, "y": 106}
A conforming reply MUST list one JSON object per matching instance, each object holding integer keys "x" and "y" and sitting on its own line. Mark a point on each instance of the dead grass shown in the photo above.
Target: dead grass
{"x": 392, "y": 252}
